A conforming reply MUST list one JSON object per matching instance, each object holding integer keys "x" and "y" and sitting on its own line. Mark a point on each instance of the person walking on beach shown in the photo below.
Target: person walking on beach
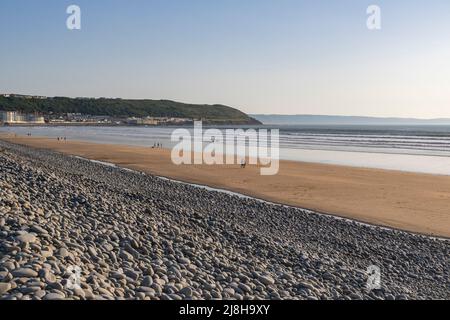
{"x": 243, "y": 163}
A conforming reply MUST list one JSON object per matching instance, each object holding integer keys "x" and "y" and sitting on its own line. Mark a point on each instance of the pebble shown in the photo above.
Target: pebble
{"x": 187, "y": 292}
{"x": 147, "y": 281}
{"x": 92, "y": 251}
{"x": 126, "y": 256}
{"x": 266, "y": 280}
{"x": 38, "y": 229}
{"x": 24, "y": 272}
{"x": 26, "y": 238}
{"x": 63, "y": 252}
{"x": 4, "y": 288}
{"x": 244, "y": 287}
{"x": 54, "y": 296}
{"x": 306, "y": 285}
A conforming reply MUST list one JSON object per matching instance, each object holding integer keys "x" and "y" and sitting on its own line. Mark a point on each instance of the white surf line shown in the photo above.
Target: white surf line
{"x": 243, "y": 196}
{"x": 108, "y": 164}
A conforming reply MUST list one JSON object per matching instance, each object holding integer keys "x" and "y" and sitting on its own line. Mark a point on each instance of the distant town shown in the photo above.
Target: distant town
{"x": 19, "y": 118}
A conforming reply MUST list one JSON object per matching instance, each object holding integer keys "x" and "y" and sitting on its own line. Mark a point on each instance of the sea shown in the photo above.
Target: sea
{"x": 422, "y": 149}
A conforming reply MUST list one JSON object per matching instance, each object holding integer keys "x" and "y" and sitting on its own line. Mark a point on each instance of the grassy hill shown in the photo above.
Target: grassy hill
{"x": 126, "y": 108}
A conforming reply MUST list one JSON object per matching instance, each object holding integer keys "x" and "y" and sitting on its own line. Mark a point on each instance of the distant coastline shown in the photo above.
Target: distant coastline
{"x": 304, "y": 119}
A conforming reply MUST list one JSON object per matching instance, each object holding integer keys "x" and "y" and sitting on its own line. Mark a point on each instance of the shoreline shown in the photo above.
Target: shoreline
{"x": 404, "y": 201}
{"x": 397, "y": 159}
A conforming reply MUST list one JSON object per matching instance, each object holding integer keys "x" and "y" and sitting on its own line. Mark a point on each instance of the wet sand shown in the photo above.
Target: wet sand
{"x": 408, "y": 201}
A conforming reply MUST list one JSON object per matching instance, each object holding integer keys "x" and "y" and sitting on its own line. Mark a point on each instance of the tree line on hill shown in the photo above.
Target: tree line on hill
{"x": 125, "y": 108}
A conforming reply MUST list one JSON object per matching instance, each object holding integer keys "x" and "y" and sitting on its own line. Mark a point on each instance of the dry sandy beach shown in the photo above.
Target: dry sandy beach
{"x": 408, "y": 201}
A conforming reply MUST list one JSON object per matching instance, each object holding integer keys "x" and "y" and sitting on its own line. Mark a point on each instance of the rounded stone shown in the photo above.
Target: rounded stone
{"x": 26, "y": 238}
{"x": 4, "y": 287}
{"x": 25, "y": 273}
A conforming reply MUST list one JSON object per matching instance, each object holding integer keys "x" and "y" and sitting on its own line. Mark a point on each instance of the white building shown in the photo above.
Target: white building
{"x": 8, "y": 116}
{"x": 14, "y": 117}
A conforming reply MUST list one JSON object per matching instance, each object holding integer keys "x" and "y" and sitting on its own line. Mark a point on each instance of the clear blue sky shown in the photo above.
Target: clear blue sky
{"x": 262, "y": 56}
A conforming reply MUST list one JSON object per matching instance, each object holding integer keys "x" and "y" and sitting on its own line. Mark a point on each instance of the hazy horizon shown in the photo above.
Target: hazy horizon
{"x": 342, "y": 116}
{"x": 261, "y": 57}
{"x": 251, "y": 114}
{"x": 311, "y": 119}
